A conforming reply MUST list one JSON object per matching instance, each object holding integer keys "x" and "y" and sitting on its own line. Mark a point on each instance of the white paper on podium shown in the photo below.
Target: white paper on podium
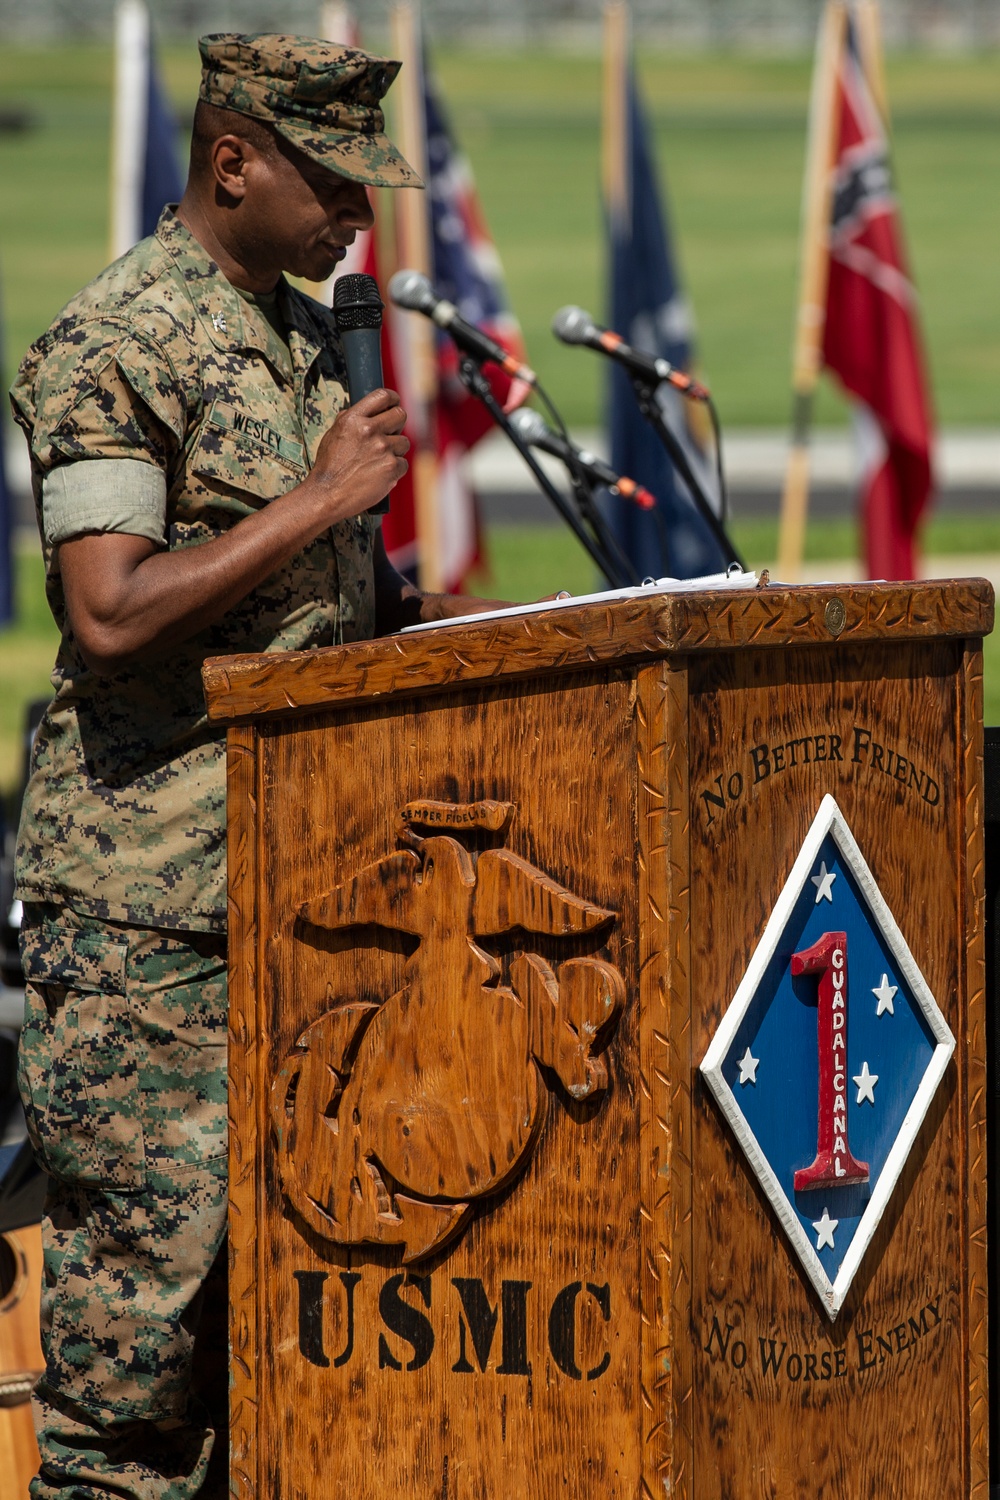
{"x": 723, "y": 581}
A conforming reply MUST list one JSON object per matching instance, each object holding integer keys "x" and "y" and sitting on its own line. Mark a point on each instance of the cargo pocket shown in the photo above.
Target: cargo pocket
{"x": 77, "y": 1065}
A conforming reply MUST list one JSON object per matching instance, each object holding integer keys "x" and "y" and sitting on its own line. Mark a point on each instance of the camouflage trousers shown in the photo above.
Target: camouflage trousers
{"x": 123, "y": 1077}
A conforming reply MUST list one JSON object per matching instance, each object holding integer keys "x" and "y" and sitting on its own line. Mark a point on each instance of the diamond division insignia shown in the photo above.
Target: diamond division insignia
{"x": 829, "y": 1055}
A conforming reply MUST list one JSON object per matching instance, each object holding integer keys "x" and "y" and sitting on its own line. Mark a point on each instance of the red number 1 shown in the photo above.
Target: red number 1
{"x": 834, "y": 1165}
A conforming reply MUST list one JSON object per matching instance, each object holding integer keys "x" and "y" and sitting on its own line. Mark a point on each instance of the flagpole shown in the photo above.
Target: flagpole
{"x": 337, "y": 24}
{"x": 870, "y": 35}
{"x": 614, "y": 139}
{"x": 128, "y": 124}
{"x": 824, "y": 124}
{"x": 413, "y": 230}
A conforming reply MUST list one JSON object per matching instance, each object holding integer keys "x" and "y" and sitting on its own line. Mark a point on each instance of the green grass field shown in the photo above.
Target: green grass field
{"x": 730, "y": 136}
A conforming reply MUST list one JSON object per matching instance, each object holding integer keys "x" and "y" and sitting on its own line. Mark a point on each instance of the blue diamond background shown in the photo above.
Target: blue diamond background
{"x": 780, "y": 1028}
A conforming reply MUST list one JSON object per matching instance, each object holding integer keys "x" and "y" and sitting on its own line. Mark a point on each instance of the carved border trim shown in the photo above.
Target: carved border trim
{"x": 656, "y": 1366}
{"x": 972, "y": 1045}
{"x": 682, "y": 1074}
{"x": 243, "y": 801}
{"x": 237, "y": 687}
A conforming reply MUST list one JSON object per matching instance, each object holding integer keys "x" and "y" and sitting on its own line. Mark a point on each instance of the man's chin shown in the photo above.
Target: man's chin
{"x": 321, "y": 262}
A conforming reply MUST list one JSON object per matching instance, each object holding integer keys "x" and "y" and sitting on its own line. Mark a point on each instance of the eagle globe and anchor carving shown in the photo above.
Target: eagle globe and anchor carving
{"x": 392, "y": 1119}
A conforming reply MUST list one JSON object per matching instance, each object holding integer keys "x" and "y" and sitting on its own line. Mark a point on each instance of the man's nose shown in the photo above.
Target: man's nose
{"x": 354, "y": 210}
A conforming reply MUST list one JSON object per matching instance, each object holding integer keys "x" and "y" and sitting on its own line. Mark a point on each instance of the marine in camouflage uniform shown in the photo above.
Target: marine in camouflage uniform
{"x": 164, "y": 404}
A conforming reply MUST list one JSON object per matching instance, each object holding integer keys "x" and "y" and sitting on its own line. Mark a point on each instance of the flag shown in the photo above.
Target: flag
{"x": 650, "y": 311}
{"x": 364, "y": 257}
{"x": 452, "y": 245}
{"x": 871, "y": 338}
{"x": 466, "y": 270}
{"x": 145, "y": 167}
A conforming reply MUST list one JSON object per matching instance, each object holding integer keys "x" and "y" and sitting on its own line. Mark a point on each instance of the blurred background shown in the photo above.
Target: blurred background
{"x": 726, "y": 87}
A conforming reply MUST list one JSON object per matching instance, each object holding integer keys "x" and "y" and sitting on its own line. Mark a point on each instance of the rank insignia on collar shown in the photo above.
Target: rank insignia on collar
{"x": 219, "y": 323}
{"x": 828, "y": 1056}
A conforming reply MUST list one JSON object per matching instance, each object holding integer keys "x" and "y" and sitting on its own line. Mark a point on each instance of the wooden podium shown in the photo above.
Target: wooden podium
{"x": 513, "y": 1212}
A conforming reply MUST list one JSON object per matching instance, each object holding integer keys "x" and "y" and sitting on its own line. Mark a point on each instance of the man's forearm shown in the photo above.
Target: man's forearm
{"x": 127, "y": 599}
{"x": 399, "y": 603}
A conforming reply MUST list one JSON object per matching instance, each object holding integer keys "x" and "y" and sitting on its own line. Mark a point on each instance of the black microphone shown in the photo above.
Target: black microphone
{"x": 357, "y": 311}
{"x": 574, "y": 326}
{"x": 412, "y": 290}
{"x": 534, "y": 430}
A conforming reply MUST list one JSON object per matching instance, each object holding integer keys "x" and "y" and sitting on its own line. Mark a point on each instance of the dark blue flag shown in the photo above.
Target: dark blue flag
{"x": 650, "y": 312}
{"x": 145, "y": 173}
{"x": 161, "y": 178}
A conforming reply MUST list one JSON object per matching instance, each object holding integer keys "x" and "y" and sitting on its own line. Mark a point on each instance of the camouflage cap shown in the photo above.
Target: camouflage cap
{"x": 322, "y": 98}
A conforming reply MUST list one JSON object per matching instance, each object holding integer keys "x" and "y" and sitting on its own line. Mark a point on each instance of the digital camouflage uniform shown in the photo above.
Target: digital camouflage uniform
{"x": 162, "y": 368}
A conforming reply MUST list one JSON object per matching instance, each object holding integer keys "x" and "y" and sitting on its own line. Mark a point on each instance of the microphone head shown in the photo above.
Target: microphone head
{"x": 573, "y": 325}
{"x": 530, "y": 425}
{"x": 356, "y": 302}
{"x": 411, "y": 289}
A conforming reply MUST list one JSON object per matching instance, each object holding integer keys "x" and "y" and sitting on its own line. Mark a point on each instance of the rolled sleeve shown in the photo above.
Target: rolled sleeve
{"x": 105, "y": 495}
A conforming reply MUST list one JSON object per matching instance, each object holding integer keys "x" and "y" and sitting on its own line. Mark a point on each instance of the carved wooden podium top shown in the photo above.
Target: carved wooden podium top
{"x": 240, "y": 687}
{"x": 607, "y": 1063}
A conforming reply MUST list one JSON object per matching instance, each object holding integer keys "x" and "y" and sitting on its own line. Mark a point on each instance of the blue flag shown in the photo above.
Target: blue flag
{"x": 161, "y": 177}
{"x": 145, "y": 173}
{"x": 650, "y": 312}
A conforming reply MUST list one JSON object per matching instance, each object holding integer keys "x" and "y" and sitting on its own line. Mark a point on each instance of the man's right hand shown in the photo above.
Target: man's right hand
{"x": 361, "y": 456}
{"x": 128, "y": 599}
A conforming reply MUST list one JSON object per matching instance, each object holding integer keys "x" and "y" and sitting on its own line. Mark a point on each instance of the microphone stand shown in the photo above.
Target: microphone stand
{"x": 645, "y": 392}
{"x": 476, "y": 383}
{"x": 584, "y": 491}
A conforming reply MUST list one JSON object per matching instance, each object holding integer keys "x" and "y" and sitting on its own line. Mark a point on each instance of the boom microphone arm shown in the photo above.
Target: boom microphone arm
{"x": 575, "y": 326}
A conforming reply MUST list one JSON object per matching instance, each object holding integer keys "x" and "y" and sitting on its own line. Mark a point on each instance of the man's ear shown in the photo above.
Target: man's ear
{"x": 230, "y": 157}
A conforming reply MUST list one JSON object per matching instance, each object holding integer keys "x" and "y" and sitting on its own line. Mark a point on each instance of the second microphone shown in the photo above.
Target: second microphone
{"x": 412, "y": 290}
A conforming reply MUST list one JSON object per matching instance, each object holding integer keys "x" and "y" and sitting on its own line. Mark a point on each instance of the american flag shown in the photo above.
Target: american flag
{"x": 466, "y": 270}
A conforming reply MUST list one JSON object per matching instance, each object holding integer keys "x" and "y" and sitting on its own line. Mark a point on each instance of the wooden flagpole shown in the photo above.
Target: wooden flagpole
{"x": 337, "y": 23}
{"x": 614, "y": 139}
{"x": 872, "y": 55}
{"x": 824, "y": 124}
{"x": 413, "y": 231}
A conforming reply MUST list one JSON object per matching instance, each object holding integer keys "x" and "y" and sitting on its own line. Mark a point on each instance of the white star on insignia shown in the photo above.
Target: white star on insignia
{"x": 884, "y": 995}
{"x": 748, "y": 1067}
{"x": 824, "y": 883}
{"x": 824, "y": 1228}
{"x": 866, "y": 1084}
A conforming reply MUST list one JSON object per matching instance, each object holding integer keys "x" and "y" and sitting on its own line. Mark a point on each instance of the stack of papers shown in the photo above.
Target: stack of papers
{"x": 735, "y": 579}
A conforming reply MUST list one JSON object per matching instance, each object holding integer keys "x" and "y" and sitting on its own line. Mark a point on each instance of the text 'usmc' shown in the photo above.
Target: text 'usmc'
{"x": 408, "y": 1306}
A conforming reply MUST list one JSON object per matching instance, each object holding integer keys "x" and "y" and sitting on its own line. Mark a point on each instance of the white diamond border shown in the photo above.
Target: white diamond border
{"x": 829, "y": 820}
